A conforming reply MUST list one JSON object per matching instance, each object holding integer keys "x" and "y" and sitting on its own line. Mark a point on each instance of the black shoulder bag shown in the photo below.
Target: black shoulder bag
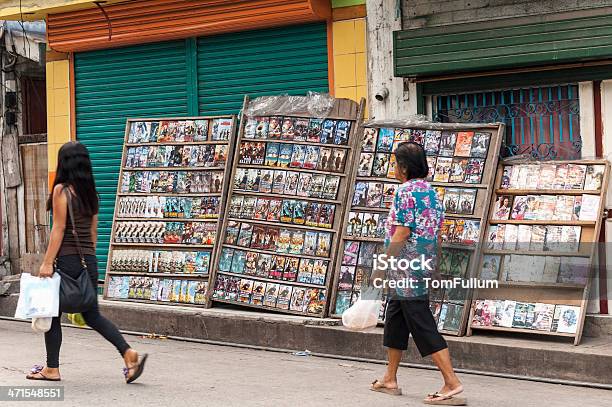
{"x": 76, "y": 295}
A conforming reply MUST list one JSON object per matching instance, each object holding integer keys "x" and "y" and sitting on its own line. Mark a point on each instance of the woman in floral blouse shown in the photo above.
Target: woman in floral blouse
{"x": 413, "y": 229}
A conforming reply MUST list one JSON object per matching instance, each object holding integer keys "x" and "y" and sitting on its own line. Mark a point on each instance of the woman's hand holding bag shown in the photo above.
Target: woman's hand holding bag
{"x": 38, "y": 297}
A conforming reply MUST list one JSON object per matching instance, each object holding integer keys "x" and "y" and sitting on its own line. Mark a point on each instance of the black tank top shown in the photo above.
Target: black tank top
{"x": 83, "y": 228}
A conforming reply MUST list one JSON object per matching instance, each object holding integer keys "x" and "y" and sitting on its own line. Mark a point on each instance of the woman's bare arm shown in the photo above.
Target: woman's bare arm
{"x": 60, "y": 208}
{"x": 399, "y": 238}
{"x": 94, "y": 230}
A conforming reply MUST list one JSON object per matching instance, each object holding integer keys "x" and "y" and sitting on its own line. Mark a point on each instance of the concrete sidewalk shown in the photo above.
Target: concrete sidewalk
{"x": 188, "y": 374}
{"x": 507, "y": 354}
{"x": 516, "y": 355}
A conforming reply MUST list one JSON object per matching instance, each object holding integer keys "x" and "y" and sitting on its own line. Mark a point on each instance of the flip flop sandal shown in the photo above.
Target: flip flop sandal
{"x": 37, "y": 369}
{"x": 445, "y": 400}
{"x": 386, "y": 390}
{"x": 139, "y": 369}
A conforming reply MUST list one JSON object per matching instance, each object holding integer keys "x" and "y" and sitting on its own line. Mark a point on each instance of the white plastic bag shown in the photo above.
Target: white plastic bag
{"x": 363, "y": 315}
{"x": 38, "y": 297}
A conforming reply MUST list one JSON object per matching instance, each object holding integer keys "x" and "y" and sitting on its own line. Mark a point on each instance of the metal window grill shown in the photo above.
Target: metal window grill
{"x": 541, "y": 121}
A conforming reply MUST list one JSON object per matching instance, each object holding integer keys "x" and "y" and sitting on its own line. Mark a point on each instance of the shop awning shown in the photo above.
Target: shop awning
{"x": 503, "y": 44}
{"x": 147, "y": 21}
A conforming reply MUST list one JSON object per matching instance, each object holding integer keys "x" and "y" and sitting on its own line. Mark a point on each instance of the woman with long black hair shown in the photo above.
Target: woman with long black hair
{"x": 74, "y": 181}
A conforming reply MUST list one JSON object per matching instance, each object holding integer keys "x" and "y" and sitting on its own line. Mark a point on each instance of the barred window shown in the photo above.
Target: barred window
{"x": 541, "y": 121}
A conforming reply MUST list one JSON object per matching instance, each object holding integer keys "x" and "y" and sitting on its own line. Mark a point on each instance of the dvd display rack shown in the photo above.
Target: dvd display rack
{"x": 462, "y": 160}
{"x": 542, "y": 235}
{"x": 169, "y": 206}
{"x": 285, "y": 209}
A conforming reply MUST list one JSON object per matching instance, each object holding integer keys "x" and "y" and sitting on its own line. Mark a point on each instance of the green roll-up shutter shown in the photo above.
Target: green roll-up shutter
{"x": 152, "y": 81}
{"x": 112, "y": 85}
{"x": 290, "y": 60}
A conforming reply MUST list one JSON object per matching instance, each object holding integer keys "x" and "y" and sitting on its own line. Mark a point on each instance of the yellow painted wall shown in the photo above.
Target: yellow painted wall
{"x": 58, "y": 110}
{"x": 350, "y": 64}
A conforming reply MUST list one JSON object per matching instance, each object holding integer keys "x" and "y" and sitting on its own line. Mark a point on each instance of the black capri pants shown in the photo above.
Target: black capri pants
{"x": 407, "y": 317}
{"x": 71, "y": 265}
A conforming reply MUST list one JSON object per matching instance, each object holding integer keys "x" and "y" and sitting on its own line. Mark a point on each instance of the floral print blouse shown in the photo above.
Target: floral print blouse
{"x": 416, "y": 206}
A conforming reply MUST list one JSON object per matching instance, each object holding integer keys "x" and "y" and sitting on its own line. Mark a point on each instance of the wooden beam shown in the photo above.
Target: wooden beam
{"x": 32, "y": 138}
{"x": 12, "y": 179}
{"x": 599, "y": 152}
{"x": 13, "y": 229}
{"x": 349, "y": 13}
{"x": 52, "y": 56}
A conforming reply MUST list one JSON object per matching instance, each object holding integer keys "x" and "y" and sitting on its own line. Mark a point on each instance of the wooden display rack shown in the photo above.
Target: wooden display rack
{"x": 481, "y": 206}
{"x": 343, "y": 109}
{"x": 571, "y": 294}
{"x": 203, "y": 277}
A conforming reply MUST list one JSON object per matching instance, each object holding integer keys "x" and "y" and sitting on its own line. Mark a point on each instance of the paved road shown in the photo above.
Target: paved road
{"x": 190, "y": 374}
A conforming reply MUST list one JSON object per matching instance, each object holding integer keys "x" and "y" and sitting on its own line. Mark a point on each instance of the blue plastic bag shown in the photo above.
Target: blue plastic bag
{"x": 38, "y": 297}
